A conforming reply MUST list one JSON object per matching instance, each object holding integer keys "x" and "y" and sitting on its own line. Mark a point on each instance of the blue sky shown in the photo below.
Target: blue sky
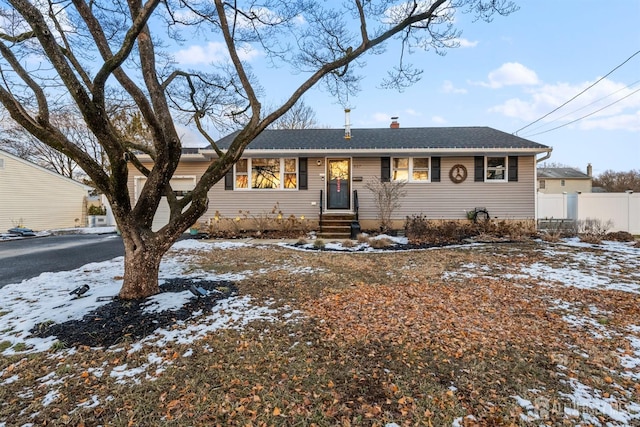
{"x": 507, "y": 74}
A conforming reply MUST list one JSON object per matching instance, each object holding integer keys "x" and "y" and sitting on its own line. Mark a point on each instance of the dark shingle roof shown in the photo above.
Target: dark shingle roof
{"x": 387, "y": 138}
{"x": 561, "y": 173}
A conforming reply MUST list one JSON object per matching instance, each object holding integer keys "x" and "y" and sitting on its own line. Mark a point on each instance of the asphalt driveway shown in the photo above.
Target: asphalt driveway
{"x": 26, "y": 258}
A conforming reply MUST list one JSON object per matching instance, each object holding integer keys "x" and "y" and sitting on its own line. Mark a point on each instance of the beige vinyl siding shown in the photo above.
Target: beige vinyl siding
{"x": 436, "y": 200}
{"x": 446, "y": 200}
{"x": 41, "y": 199}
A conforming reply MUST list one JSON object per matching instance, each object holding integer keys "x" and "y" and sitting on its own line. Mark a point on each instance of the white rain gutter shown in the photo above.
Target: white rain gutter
{"x": 546, "y": 156}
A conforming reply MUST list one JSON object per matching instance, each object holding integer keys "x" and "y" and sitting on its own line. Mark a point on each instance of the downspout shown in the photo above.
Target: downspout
{"x": 535, "y": 184}
{"x": 545, "y": 157}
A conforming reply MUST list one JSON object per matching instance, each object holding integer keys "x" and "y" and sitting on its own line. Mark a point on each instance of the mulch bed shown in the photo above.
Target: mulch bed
{"x": 121, "y": 320}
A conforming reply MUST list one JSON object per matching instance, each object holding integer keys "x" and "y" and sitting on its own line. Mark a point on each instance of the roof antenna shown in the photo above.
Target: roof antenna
{"x": 347, "y": 123}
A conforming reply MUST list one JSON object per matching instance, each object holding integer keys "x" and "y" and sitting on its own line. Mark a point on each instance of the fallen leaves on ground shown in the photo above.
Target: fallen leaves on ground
{"x": 411, "y": 338}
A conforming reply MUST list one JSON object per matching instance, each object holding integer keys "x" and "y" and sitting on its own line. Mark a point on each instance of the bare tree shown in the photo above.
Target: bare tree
{"x": 386, "y": 197}
{"x": 555, "y": 165}
{"x": 23, "y": 144}
{"x": 300, "y": 116}
{"x": 618, "y": 182}
{"x": 92, "y": 55}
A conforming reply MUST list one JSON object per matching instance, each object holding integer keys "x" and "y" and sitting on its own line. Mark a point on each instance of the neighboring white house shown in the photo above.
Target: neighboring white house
{"x": 38, "y": 198}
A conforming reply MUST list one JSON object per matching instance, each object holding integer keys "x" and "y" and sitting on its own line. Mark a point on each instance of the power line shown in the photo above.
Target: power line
{"x": 589, "y": 87}
{"x": 584, "y": 117}
{"x": 583, "y": 107}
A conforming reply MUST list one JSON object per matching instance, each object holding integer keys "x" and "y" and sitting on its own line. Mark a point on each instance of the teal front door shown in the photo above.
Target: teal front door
{"x": 339, "y": 184}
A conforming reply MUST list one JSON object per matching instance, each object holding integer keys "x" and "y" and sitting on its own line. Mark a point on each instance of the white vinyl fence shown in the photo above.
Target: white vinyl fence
{"x": 622, "y": 209}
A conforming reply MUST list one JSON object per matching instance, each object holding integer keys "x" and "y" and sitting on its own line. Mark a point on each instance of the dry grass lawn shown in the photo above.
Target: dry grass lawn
{"x": 453, "y": 336}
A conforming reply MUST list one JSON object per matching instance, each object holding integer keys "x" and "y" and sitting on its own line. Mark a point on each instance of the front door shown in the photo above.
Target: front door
{"x": 338, "y": 184}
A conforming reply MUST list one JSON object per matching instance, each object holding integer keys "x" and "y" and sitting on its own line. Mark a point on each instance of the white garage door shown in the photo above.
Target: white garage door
{"x": 180, "y": 185}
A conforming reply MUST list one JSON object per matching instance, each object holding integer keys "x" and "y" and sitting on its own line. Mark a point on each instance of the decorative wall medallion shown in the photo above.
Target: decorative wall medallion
{"x": 458, "y": 173}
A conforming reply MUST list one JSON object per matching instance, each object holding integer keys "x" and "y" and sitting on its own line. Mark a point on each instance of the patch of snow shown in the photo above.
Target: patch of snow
{"x": 459, "y": 422}
{"x": 121, "y": 373}
{"x": 585, "y": 397}
{"x": 46, "y": 298}
{"x": 606, "y": 245}
{"x": 51, "y": 397}
{"x": 154, "y": 358}
{"x": 11, "y": 379}
{"x": 631, "y": 359}
{"x": 230, "y": 313}
{"x": 51, "y": 379}
{"x": 91, "y": 403}
{"x": 199, "y": 245}
{"x": 86, "y": 230}
{"x": 167, "y": 301}
{"x": 394, "y": 239}
{"x": 96, "y": 372}
{"x": 597, "y": 330}
{"x": 576, "y": 277}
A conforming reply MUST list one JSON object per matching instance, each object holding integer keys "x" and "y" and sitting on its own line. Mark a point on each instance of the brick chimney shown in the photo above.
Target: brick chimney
{"x": 589, "y": 169}
{"x": 394, "y": 123}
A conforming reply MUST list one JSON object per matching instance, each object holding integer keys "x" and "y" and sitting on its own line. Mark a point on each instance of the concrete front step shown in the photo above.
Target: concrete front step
{"x": 336, "y": 226}
{"x": 336, "y": 236}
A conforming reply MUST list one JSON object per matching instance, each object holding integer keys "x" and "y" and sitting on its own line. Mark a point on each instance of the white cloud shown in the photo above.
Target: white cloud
{"x": 511, "y": 74}
{"x": 412, "y": 112}
{"x": 190, "y": 138}
{"x": 381, "y": 117}
{"x": 629, "y": 122}
{"x": 448, "y": 87}
{"x": 438, "y": 120}
{"x": 540, "y": 101}
{"x": 466, "y": 43}
{"x": 247, "y": 52}
{"x": 212, "y": 52}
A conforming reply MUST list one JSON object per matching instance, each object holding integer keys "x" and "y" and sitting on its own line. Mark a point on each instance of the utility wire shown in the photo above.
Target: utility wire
{"x": 589, "y": 87}
{"x": 584, "y": 117}
{"x": 583, "y": 107}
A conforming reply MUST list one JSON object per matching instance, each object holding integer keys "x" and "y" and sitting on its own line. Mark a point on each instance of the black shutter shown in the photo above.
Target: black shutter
{"x": 385, "y": 169}
{"x": 479, "y": 169}
{"x": 435, "y": 169}
{"x": 513, "y": 168}
{"x": 228, "y": 180}
{"x": 303, "y": 174}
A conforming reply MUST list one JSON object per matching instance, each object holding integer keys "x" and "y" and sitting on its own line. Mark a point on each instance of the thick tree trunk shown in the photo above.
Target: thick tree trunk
{"x": 144, "y": 249}
{"x": 141, "y": 268}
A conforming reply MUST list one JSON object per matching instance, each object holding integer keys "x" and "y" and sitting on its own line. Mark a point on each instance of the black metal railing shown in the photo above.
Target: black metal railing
{"x": 356, "y": 204}
{"x": 320, "y": 222}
